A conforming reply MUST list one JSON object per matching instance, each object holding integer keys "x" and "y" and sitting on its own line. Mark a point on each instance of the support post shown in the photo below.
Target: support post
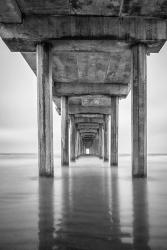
{"x": 139, "y": 111}
{"x": 76, "y": 144}
{"x": 45, "y": 110}
{"x": 106, "y": 137}
{"x": 100, "y": 142}
{"x": 79, "y": 145}
{"x": 72, "y": 138}
{"x": 114, "y": 131}
{"x": 64, "y": 132}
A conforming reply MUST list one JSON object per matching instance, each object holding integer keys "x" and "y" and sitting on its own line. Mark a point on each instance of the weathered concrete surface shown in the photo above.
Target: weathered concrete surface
{"x": 33, "y": 29}
{"x": 69, "y": 89}
{"x": 114, "y": 131}
{"x": 45, "y": 115}
{"x": 10, "y": 12}
{"x": 72, "y": 138}
{"x": 90, "y": 100}
{"x": 139, "y": 112}
{"x": 88, "y": 120}
{"x": 99, "y": 73}
{"x": 87, "y": 130}
{"x": 77, "y": 109}
{"x": 87, "y": 104}
{"x": 106, "y": 138}
{"x": 100, "y": 142}
{"x": 87, "y": 125}
{"x": 93, "y": 7}
{"x": 64, "y": 132}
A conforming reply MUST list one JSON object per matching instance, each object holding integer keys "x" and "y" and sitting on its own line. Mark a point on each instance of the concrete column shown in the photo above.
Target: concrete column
{"x": 79, "y": 144}
{"x": 100, "y": 142}
{"x": 72, "y": 138}
{"x": 64, "y": 132}
{"x": 45, "y": 110}
{"x": 76, "y": 144}
{"x": 114, "y": 131}
{"x": 139, "y": 111}
{"x": 106, "y": 138}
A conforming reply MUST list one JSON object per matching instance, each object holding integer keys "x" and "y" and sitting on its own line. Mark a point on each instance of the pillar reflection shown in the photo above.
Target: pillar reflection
{"x": 88, "y": 207}
{"x": 46, "y": 214}
{"x": 117, "y": 236}
{"x": 141, "y": 215}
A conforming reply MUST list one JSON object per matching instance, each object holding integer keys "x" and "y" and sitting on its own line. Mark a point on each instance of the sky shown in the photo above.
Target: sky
{"x": 18, "y": 106}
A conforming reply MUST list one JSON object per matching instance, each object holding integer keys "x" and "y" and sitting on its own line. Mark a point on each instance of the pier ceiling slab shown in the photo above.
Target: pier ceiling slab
{"x": 92, "y": 67}
{"x": 14, "y": 10}
{"x": 89, "y": 67}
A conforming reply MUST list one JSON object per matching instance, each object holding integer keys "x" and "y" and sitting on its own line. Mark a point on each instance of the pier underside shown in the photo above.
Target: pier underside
{"x": 87, "y": 56}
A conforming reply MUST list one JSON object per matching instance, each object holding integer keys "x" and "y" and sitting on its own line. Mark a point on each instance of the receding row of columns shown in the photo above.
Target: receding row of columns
{"x": 45, "y": 117}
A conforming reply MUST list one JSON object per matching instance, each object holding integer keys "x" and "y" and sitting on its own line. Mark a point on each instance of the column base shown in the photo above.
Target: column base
{"x": 105, "y": 159}
{"x": 47, "y": 175}
{"x": 139, "y": 176}
{"x": 72, "y": 160}
{"x": 114, "y": 164}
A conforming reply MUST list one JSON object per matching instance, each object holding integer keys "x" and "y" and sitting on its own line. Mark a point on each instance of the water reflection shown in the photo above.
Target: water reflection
{"x": 83, "y": 209}
{"x": 140, "y": 215}
{"x": 46, "y": 214}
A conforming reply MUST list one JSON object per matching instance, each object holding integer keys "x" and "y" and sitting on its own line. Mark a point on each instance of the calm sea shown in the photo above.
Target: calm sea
{"x": 88, "y": 206}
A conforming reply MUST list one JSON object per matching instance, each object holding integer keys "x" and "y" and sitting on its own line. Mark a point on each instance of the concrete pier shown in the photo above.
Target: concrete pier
{"x": 64, "y": 132}
{"x": 139, "y": 112}
{"x": 114, "y": 132}
{"x": 45, "y": 113}
{"x": 91, "y": 69}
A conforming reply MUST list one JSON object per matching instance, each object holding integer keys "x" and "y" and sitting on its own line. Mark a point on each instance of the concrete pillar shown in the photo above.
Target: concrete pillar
{"x": 100, "y": 142}
{"x": 114, "y": 131}
{"x": 79, "y": 144}
{"x": 106, "y": 138}
{"x": 139, "y": 111}
{"x": 72, "y": 138}
{"x": 64, "y": 132}
{"x": 45, "y": 110}
{"x": 76, "y": 143}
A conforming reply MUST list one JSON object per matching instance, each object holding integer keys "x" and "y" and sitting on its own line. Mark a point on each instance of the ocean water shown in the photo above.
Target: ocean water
{"x": 88, "y": 206}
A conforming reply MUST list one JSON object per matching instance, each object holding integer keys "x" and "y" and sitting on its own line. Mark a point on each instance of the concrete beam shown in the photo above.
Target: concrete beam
{"x": 45, "y": 113}
{"x": 139, "y": 112}
{"x": 99, "y": 116}
{"x": 77, "y": 109}
{"x": 87, "y": 131}
{"x": 79, "y": 120}
{"x": 110, "y": 89}
{"x": 39, "y": 28}
{"x": 87, "y": 125}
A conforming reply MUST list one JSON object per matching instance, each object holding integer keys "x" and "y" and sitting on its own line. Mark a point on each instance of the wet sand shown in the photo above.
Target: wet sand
{"x": 88, "y": 206}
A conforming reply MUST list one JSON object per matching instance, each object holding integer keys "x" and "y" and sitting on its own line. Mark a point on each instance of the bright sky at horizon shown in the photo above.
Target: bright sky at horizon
{"x": 18, "y": 106}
